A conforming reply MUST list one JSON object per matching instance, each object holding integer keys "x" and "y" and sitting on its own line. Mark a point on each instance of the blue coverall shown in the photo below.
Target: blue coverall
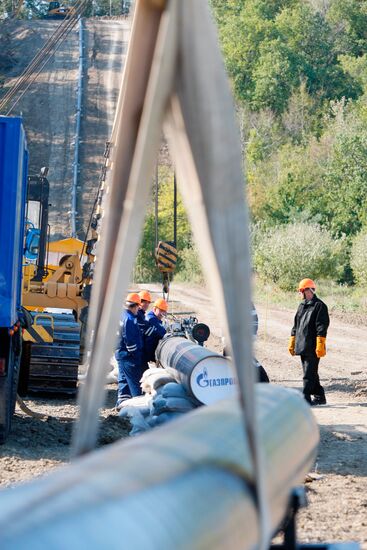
{"x": 153, "y": 334}
{"x": 129, "y": 356}
{"x": 143, "y": 326}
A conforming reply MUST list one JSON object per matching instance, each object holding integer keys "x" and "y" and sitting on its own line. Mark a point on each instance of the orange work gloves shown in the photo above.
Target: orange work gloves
{"x": 292, "y": 345}
{"x": 320, "y": 346}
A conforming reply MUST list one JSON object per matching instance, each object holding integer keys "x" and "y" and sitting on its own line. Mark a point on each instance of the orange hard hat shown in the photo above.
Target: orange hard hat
{"x": 133, "y": 298}
{"x": 306, "y": 283}
{"x": 160, "y": 303}
{"x": 145, "y": 295}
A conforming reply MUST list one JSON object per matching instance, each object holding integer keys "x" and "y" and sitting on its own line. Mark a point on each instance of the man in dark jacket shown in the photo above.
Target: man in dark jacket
{"x": 308, "y": 339}
{"x": 155, "y": 330}
{"x": 146, "y": 300}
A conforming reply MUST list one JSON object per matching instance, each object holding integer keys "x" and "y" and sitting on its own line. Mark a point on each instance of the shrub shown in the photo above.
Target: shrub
{"x": 358, "y": 258}
{"x": 286, "y": 254}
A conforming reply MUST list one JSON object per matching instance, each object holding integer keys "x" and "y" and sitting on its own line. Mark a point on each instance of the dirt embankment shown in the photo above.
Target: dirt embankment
{"x": 48, "y": 111}
{"x": 49, "y": 108}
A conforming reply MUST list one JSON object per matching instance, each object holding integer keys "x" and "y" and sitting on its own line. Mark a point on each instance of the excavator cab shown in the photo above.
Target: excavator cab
{"x": 37, "y": 223}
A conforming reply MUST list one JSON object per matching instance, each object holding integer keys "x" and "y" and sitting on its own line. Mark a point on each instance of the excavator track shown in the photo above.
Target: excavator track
{"x": 53, "y": 367}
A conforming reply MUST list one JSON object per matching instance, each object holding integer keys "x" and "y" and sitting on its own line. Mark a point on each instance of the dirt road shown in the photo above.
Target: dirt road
{"x": 105, "y": 52}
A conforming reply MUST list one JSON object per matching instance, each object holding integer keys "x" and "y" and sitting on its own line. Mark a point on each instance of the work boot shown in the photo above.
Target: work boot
{"x": 120, "y": 400}
{"x": 318, "y": 400}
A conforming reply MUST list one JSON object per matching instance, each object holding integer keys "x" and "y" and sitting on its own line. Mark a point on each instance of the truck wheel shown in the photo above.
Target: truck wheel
{"x": 8, "y": 391}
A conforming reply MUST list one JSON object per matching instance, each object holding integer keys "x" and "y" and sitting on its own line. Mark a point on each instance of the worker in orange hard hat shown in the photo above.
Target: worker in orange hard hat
{"x": 155, "y": 330}
{"x": 129, "y": 352}
{"x": 146, "y": 300}
{"x": 308, "y": 339}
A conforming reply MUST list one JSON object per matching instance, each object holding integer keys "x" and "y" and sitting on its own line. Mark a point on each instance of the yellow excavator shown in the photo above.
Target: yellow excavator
{"x": 57, "y": 10}
{"x": 54, "y": 287}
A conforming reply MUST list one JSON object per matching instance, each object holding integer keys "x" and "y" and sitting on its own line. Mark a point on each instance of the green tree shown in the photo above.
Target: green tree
{"x": 346, "y": 185}
{"x": 145, "y": 268}
{"x": 349, "y": 21}
{"x": 272, "y": 47}
{"x": 284, "y": 254}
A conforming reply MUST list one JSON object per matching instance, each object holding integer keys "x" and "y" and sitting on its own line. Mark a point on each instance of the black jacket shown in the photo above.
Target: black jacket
{"x": 311, "y": 320}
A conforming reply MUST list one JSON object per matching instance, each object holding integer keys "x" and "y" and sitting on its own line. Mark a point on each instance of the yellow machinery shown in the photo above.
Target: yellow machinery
{"x": 56, "y": 10}
{"x": 53, "y": 287}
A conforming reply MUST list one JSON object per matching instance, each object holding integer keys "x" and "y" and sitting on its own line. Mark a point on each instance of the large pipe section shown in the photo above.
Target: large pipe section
{"x": 183, "y": 485}
{"x": 205, "y": 374}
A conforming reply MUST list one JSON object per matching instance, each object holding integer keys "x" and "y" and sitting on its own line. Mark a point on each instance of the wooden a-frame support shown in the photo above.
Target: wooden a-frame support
{"x": 174, "y": 80}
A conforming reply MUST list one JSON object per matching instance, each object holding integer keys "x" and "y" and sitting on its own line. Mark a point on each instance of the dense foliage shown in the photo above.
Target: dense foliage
{"x": 284, "y": 254}
{"x": 358, "y": 259}
{"x": 298, "y": 69}
{"x": 299, "y": 75}
{"x": 299, "y": 72}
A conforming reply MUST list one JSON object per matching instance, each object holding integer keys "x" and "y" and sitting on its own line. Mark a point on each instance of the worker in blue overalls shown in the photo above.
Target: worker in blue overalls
{"x": 146, "y": 300}
{"x": 129, "y": 352}
{"x": 155, "y": 330}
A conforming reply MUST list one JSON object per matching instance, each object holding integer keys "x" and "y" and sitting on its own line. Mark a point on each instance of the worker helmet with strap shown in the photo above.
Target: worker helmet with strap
{"x": 306, "y": 283}
{"x": 145, "y": 295}
{"x": 133, "y": 299}
{"x": 161, "y": 304}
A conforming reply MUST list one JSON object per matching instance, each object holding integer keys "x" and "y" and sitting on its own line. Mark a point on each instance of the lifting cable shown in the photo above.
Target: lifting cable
{"x": 43, "y": 56}
{"x": 165, "y": 252}
{"x": 96, "y": 213}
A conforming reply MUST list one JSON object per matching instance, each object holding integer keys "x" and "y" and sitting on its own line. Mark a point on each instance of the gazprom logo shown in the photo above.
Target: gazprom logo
{"x": 204, "y": 381}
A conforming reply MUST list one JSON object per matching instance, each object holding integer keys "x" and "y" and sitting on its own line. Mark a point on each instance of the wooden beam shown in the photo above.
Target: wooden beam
{"x": 145, "y": 132}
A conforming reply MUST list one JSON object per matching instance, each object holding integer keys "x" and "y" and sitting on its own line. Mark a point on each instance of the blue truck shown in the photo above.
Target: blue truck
{"x": 13, "y": 188}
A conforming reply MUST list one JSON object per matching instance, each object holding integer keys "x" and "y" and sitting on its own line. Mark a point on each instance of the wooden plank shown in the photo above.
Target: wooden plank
{"x": 204, "y": 141}
{"x": 131, "y": 213}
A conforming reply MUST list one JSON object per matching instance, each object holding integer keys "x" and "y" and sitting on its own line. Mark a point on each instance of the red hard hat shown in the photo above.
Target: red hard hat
{"x": 133, "y": 298}
{"x": 306, "y": 283}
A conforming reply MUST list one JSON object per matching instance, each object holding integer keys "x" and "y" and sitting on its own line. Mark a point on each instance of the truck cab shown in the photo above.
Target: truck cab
{"x": 13, "y": 186}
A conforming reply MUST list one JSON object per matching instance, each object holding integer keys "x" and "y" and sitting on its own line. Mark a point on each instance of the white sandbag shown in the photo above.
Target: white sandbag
{"x": 181, "y": 486}
{"x": 141, "y": 403}
{"x": 153, "y": 378}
